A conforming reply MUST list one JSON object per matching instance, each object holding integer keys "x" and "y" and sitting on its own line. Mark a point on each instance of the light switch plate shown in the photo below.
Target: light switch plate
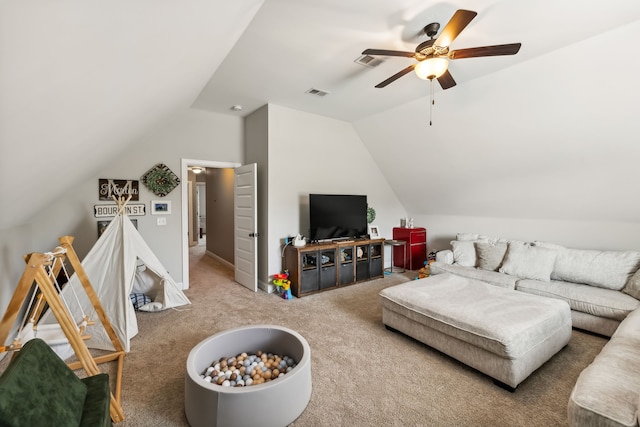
{"x": 162, "y": 221}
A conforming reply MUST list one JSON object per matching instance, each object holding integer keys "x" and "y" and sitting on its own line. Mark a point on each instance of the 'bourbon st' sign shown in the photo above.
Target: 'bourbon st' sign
{"x": 132, "y": 209}
{"x": 117, "y": 187}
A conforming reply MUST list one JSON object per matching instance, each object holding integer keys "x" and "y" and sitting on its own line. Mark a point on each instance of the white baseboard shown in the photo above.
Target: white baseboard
{"x": 222, "y": 260}
{"x": 267, "y": 287}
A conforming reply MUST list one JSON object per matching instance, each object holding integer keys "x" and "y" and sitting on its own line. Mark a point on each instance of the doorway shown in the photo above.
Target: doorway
{"x": 184, "y": 184}
{"x": 201, "y": 212}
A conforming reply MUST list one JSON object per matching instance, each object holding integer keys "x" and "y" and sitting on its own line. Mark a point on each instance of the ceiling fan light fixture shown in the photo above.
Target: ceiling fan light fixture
{"x": 431, "y": 68}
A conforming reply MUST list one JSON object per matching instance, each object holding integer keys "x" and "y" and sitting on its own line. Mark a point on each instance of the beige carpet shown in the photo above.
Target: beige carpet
{"x": 363, "y": 375}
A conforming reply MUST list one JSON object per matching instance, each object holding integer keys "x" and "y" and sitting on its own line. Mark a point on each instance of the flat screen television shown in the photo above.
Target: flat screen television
{"x": 337, "y": 216}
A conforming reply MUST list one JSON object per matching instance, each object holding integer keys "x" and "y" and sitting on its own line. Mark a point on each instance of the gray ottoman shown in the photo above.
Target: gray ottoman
{"x": 503, "y": 333}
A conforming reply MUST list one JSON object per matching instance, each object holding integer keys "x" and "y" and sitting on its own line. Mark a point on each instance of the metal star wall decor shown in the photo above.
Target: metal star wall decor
{"x": 160, "y": 180}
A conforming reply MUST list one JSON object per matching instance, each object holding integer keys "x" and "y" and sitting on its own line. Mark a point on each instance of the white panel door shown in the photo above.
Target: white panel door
{"x": 246, "y": 226}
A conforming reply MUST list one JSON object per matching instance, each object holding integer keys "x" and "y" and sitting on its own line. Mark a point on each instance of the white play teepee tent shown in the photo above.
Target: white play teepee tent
{"x": 119, "y": 264}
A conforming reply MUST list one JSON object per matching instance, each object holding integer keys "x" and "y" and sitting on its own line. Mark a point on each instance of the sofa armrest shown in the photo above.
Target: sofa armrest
{"x": 97, "y": 404}
{"x": 445, "y": 256}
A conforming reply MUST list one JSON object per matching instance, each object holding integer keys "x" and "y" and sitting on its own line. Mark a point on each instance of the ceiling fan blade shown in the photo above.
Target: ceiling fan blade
{"x": 388, "y": 53}
{"x": 474, "y": 52}
{"x": 454, "y": 27}
{"x": 446, "y": 80}
{"x": 396, "y": 76}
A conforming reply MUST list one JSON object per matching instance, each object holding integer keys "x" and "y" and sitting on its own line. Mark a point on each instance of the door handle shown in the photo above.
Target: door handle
{"x": 254, "y": 234}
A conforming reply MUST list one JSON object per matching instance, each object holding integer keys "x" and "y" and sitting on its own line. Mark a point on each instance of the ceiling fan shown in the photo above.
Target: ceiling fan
{"x": 433, "y": 55}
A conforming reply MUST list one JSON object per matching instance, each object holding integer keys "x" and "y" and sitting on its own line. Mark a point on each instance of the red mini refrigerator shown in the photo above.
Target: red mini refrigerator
{"x": 416, "y": 239}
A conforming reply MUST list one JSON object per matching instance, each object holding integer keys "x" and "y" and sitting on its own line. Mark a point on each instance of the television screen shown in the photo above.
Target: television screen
{"x": 337, "y": 216}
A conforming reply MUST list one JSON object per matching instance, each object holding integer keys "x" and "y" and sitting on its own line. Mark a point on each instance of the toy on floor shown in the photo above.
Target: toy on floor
{"x": 425, "y": 271}
{"x": 283, "y": 285}
{"x": 286, "y": 287}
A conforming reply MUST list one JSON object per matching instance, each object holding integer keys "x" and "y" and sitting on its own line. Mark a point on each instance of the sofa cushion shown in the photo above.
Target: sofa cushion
{"x": 464, "y": 253}
{"x": 97, "y": 404}
{"x": 606, "y": 392}
{"x": 492, "y": 277}
{"x": 605, "y": 269}
{"x": 468, "y": 236}
{"x": 528, "y": 262}
{"x": 628, "y": 329}
{"x": 633, "y": 285}
{"x": 596, "y": 301}
{"x": 38, "y": 389}
{"x": 445, "y": 256}
{"x": 474, "y": 312}
{"x": 489, "y": 255}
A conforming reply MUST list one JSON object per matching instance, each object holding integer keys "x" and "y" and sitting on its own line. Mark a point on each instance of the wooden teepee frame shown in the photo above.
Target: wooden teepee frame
{"x": 35, "y": 272}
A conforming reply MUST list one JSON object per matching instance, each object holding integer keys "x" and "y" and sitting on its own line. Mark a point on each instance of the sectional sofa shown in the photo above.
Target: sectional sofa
{"x": 602, "y": 289}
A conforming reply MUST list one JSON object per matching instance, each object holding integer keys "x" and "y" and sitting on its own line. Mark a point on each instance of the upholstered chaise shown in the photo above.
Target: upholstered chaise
{"x": 500, "y": 332}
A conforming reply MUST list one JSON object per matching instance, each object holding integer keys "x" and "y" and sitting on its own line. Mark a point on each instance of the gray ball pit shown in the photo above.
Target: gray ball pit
{"x": 274, "y": 403}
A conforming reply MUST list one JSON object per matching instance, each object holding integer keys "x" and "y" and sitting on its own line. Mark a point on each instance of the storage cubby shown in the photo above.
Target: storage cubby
{"x": 321, "y": 266}
{"x": 327, "y": 268}
{"x": 345, "y": 272}
{"x": 362, "y": 262}
{"x": 309, "y": 271}
{"x": 376, "y": 264}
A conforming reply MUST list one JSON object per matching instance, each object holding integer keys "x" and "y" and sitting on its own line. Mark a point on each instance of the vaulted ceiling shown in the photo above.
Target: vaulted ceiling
{"x": 292, "y": 46}
{"x": 81, "y": 80}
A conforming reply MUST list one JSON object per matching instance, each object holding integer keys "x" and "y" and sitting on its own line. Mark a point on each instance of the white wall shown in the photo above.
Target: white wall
{"x": 14, "y": 244}
{"x": 188, "y": 134}
{"x": 220, "y": 215}
{"x": 602, "y": 235}
{"x": 315, "y": 154}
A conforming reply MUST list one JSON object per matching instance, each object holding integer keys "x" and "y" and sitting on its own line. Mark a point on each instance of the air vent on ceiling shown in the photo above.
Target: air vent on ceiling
{"x": 368, "y": 61}
{"x": 317, "y": 92}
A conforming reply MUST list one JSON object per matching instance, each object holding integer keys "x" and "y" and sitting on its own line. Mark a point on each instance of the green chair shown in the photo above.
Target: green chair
{"x": 39, "y": 389}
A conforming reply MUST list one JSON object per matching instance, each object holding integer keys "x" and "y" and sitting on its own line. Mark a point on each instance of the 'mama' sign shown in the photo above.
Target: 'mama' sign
{"x": 107, "y": 188}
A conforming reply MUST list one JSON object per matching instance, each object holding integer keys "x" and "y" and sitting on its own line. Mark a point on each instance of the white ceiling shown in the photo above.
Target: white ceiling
{"x": 294, "y": 45}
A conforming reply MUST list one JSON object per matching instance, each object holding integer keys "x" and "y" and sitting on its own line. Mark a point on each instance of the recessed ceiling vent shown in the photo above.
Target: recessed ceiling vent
{"x": 368, "y": 61}
{"x": 317, "y": 92}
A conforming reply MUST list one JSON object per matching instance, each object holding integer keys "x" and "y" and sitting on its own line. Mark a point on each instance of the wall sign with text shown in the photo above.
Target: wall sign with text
{"x": 107, "y": 188}
{"x": 133, "y": 209}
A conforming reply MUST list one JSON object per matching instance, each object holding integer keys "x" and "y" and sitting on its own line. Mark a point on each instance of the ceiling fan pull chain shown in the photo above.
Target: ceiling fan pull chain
{"x": 431, "y": 102}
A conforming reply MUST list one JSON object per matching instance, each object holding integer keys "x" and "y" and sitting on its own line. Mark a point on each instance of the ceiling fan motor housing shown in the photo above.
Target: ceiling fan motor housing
{"x": 425, "y": 48}
{"x": 432, "y": 29}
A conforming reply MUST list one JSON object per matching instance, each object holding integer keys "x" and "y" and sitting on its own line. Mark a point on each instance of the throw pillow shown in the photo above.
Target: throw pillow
{"x": 633, "y": 286}
{"x": 151, "y": 307}
{"x": 445, "y": 257}
{"x": 139, "y": 300}
{"x": 528, "y": 262}
{"x": 554, "y": 247}
{"x": 464, "y": 253}
{"x": 603, "y": 269}
{"x": 489, "y": 256}
{"x": 467, "y": 236}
